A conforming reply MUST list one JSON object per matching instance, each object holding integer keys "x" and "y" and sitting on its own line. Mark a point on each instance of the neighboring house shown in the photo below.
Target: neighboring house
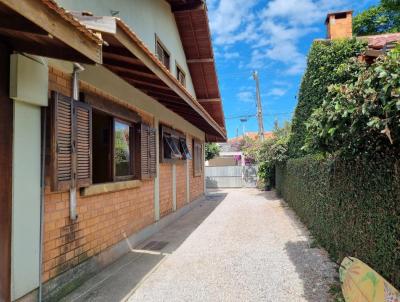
{"x": 340, "y": 25}
{"x": 230, "y": 155}
{"x": 231, "y": 152}
{"x": 117, "y": 140}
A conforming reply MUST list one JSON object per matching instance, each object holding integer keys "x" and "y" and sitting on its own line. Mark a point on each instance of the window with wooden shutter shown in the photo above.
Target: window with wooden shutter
{"x": 146, "y": 160}
{"x": 180, "y": 75}
{"x": 162, "y": 53}
{"x": 197, "y": 158}
{"x": 61, "y": 142}
{"x": 83, "y": 138}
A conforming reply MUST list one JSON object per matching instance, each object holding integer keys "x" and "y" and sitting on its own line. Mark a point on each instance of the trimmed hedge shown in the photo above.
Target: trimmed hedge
{"x": 351, "y": 207}
{"x": 325, "y": 60}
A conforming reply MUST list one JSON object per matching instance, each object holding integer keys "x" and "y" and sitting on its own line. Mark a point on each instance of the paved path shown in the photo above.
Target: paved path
{"x": 238, "y": 245}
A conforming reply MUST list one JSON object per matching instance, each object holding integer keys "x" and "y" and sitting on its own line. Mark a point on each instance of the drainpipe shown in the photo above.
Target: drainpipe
{"x": 75, "y": 94}
{"x": 42, "y": 187}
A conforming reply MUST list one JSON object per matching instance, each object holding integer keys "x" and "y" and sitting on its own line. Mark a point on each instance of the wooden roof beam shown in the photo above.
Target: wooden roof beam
{"x": 216, "y": 100}
{"x": 59, "y": 25}
{"x": 200, "y": 61}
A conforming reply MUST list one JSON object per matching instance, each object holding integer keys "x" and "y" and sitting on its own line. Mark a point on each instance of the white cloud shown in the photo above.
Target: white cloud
{"x": 274, "y": 32}
{"x": 277, "y": 92}
{"x": 227, "y": 17}
{"x": 246, "y": 96}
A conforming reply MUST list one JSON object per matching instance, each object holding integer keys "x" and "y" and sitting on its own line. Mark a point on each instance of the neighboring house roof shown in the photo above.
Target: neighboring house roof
{"x": 251, "y": 135}
{"x": 192, "y": 20}
{"x": 127, "y": 56}
{"x": 43, "y": 28}
{"x": 380, "y": 41}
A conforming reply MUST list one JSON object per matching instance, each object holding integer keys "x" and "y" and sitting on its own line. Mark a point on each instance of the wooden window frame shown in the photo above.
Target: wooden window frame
{"x": 197, "y": 156}
{"x": 179, "y": 70}
{"x": 165, "y": 50}
{"x": 124, "y": 115}
{"x": 177, "y": 135}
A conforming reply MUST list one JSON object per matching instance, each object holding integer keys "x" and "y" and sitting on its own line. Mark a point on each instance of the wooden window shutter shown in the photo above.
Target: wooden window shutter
{"x": 83, "y": 143}
{"x": 61, "y": 142}
{"x": 152, "y": 152}
{"x": 198, "y": 158}
{"x": 146, "y": 161}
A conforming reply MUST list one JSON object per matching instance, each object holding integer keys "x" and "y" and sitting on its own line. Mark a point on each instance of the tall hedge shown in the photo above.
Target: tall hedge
{"x": 351, "y": 207}
{"x": 323, "y": 69}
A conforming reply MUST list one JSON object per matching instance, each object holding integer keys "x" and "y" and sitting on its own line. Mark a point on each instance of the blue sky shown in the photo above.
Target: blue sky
{"x": 273, "y": 37}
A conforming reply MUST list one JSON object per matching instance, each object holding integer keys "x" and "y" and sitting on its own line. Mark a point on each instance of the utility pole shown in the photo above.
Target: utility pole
{"x": 259, "y": 108}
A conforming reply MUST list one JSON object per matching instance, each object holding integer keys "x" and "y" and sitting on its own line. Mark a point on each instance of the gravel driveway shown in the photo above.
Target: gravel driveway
{"x": 237, "y": 245}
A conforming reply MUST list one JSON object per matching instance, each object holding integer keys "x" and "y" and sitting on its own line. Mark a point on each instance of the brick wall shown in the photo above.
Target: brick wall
{"x": 166, "y": 202}
{"x": 340, "y": 28}
{"x": 180, "y": 185}
{"x": 103, "y": 220}
{"x": 106, "y": 219}
{"x": 196, "y": 182}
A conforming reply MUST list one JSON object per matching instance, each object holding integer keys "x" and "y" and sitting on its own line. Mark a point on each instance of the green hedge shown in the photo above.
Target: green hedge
{"x": 351, "y": 207}
{"x": 324, "y": 68}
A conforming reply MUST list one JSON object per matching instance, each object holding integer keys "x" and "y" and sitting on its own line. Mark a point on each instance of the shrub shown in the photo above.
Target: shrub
{"x": 324, "y": 68}
{"x": 212, "y": 150}
{"x": 361, "y": 116}
{"x": 352, "y": 207}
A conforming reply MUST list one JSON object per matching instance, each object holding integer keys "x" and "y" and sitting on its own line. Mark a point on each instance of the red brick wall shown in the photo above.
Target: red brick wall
{"x": 196, "y": 182}
{"x": 166, "y": 202}
{"x": 106, "y": 219}
{"x": 103, "y": 220}
{"x": 180, "y": 185}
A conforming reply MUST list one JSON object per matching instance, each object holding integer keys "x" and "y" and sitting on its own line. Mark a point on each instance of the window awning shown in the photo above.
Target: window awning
{"x": 127, "y": 56}
{"x": 41, "y": 27}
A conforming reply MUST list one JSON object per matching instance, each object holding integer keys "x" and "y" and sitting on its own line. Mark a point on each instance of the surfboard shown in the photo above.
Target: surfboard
{"x": 360, "y": 283}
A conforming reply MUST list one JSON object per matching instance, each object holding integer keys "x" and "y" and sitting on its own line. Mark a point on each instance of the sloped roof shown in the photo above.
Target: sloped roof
{"x": 41, "y": 27}
{"x": 251, "y": 135}
{"x": 127, "y": 56}
{"x": 192, "y": 20}
{"x": 380, "y": 41}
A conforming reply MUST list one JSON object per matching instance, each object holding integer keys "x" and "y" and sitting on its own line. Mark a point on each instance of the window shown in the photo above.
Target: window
{"x": 123, "y": 163}
{"x": 98, "y": 141}
{"x": 180, "y": 75}
{"x": 162, "y": 53}
{"x": 197, "y": 158}
{"x": 173, "y": 145}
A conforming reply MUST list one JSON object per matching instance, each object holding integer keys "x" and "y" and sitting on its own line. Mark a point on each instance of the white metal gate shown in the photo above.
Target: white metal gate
{"x": 231, "y": 177}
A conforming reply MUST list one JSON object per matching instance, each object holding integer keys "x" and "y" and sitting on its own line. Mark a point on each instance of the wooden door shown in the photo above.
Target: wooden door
{"x": 6, "y": 142}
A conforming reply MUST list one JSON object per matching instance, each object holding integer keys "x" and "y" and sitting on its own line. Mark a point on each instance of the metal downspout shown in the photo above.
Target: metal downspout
{"x": 75, "y": 94}
{"x": 42, "y": 181}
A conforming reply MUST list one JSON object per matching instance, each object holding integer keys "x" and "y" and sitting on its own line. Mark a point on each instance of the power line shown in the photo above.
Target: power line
{"x": 255, "y": 115}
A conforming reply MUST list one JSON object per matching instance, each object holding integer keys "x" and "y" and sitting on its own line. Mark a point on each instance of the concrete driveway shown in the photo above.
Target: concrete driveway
{"x": 237, "y": 245}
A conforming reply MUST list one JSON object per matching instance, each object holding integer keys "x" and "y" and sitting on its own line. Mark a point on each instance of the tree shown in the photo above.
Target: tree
{"x": 391, "y": 4}
{"x": 383, "y": 18}
{"x": 269, "y": 153}
{"x": 212, "y": 150}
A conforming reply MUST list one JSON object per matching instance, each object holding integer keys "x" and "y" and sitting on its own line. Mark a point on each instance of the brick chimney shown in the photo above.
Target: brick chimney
{"x": 340, "y": 25}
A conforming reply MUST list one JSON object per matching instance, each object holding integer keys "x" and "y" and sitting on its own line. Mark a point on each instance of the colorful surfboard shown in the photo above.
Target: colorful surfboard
{"x": 360, "y": 283}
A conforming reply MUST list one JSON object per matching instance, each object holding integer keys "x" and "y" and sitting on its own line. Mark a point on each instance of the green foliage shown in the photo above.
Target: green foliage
{"x": 383, "y": 18}
{"x": 327, "y": 63}
{"x": 361, "y": 116}
{"x": 212, "y": 150}
{"x": 270, "y": 152}
{"x": 391, "y": 4}
{"x": 350, "y": 206}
